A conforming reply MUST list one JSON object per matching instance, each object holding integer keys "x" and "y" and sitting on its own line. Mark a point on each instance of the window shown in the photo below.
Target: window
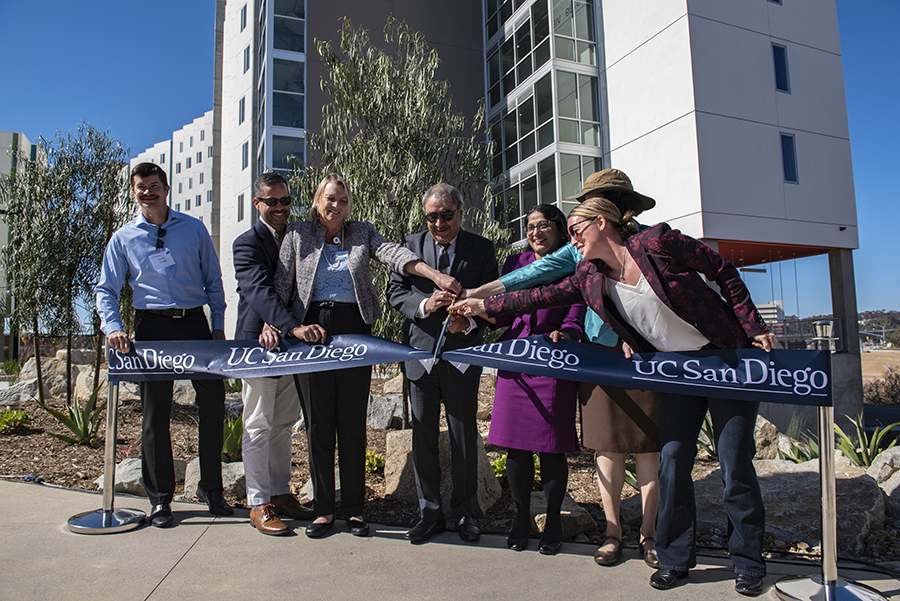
{"x": 242, "y": 103}
{"x": 285, "y": 150}
{"x": 240, "y": 207}
{"x": 177, "y": 206}
{"x": 209, "y": 151}
{"x": 162, "y": 159}
{"x": 179, "y": 187}
{"x": 187, "y": 204}
{"x": 525, "y": 130}
{"x": 209, "y": 196}
{"x": 573, "y": 24}
{"x": 289, "y": 34}
{"x": 246, "y": 59}
{"x": 177, "y": 167}
{"x": 201, "y": 177}
{"x": 520, "y": 55}
{"x": 573, "y": 170}
{"x": 243, "y": 17}
{"x": 287, "y": 110}
{"x": 187, "y": 163}
{"x": 782, "y": 80}
{"x": 579, "y": 109}
{"x": 245, "y": 155}
{"x": 202, "y": 132}
{"x": 290, "y": 8}
{"x": 181, "y": 147}
{"x": 197, "y": 200}
{"x": 200, "y": 157}
{"x": 192, "y": 142}
{"x": 789, "y": 158}
{"x": 190, "y": 183}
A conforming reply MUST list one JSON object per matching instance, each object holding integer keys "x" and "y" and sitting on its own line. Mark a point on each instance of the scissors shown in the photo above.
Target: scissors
{"x": 440, "y": 340}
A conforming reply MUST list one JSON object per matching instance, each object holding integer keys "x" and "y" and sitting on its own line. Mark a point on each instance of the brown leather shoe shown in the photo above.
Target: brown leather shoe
{"x": 264, "y": 519}
{"x": 287, "y": 504}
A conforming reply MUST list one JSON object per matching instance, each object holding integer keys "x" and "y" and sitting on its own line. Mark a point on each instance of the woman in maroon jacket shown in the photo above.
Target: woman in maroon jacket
{"x": 647, "y": 287}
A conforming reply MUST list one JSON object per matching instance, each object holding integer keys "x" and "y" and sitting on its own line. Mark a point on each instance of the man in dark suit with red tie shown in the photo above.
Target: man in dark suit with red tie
{"x": 471, "y": 260}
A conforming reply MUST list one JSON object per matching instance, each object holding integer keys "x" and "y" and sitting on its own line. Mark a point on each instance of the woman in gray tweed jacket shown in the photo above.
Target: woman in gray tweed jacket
{"x": 323, "y": 276}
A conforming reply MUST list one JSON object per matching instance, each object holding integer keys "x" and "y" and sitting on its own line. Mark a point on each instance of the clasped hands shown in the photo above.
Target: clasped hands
{"x": 269, "y": 338}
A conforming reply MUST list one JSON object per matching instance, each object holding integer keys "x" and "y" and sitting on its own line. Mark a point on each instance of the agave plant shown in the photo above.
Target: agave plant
{"x": 233, "y": 432}
{"x": 83, "y": 422}
{"x": 863, "y": 449}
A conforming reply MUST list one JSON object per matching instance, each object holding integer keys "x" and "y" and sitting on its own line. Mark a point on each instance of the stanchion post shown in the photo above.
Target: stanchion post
{"x": 828, "y": 586}
{"x": 107, "y": 519}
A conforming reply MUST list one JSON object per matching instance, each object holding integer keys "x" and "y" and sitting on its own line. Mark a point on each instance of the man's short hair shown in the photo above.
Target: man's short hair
{"x": 444, "y": 192}
{"x": 270, "y": 180}
{"x": 148, "y": 169}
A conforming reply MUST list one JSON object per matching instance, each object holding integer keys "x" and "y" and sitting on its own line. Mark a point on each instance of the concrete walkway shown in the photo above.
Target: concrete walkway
{"x": 205, "y": 557}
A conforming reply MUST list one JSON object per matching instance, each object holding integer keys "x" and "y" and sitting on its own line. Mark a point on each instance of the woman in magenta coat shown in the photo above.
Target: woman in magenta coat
{"x": 536, "y": 414}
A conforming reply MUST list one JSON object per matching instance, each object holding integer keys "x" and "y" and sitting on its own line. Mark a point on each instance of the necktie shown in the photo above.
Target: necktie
{"x": 444, "y": 259}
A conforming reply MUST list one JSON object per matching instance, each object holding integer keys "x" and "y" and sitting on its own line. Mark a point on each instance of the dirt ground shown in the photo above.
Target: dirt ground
{"x": 873, "y": 363}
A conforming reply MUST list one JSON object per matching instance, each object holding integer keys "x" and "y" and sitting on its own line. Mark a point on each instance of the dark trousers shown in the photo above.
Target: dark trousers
{"x": 459, "y": 392}
{"x": 680, "y": 420}
{"x": 156, "y": 404}
{"x": 335, "y": 404}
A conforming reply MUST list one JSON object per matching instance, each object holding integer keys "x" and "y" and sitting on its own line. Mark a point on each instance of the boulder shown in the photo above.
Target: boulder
{"x": 575, "y": 519}
{"x": 184, "y": 393}
{"x": 385, "y": 412}
{"x": 53, "y": 372}
{"x": 84, "y": 384}
{"x": 234, "y": 482}
{"x": 130, "y": 480}
{"x": 769, "y": 441}
{"x": 393, "y": 386}
{"x": 21, "y": 391}
{"x": 79, "y": 356}
{"x": 484, "y": 409}
{"x": 885, "y": 469}
{"x": 790, "y": 493}
{"x": 400, "y": 481}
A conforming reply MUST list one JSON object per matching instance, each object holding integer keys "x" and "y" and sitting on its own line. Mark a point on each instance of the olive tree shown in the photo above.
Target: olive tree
{"x": 61, "y": 213}
{"x": 391, "y": 131}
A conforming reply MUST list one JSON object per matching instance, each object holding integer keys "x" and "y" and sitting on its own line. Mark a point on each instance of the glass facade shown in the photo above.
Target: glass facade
{"x": 542, "y": 92}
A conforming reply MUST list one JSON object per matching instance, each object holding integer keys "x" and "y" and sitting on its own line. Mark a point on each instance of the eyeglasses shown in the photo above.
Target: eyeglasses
{"x": 445, "y": 215}
{"x": 540, "y": 226}
{"x": 573, "y": 233}
{"x": 271, "y": 202}
{"x": 160, "y": 234}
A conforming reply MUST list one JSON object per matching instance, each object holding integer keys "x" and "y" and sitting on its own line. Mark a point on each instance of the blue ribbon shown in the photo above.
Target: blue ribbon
{"x": 781, "y": 376}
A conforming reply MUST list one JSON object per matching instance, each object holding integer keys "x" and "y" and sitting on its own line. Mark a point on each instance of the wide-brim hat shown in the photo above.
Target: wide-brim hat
{"x": 613, "y": 179}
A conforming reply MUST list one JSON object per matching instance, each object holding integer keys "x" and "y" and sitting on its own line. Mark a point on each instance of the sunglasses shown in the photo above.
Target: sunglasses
{"x": 540, "y": 226}
{"x": 160, "y": 234}
{"x": 573, "y": 234}
{"x": 271, "y": 202}
{"x": 445, "y": 215}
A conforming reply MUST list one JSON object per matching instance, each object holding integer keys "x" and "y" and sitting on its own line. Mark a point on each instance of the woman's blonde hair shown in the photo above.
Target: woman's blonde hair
{"x": 331, "y": 178}
{"x": 602, "y": 207}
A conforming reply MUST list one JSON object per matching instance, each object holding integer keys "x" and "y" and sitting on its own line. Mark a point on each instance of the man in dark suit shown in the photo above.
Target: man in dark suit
{"x": 271, "y": 405}
{"x": 471, "y": 260}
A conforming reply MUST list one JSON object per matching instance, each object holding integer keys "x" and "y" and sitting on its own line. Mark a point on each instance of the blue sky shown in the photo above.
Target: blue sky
{"x": 144, "y": 70}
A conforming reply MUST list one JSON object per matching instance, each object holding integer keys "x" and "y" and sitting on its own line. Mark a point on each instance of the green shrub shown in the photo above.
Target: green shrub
{"x": 11, "y": 368}
{"x": 233, "y": 433}
{"x": 885, "y": 391}
{"x": 374, "y": 461}
{"x": 12, "y": 419}
{"x": 233, "y": 386}
{"x": 707, "y": 440}
{"x": 499, "y": 466}
{"x": 82, "y": 422}
{"x": 862, "y": 450}
{"x": 801, "y": 454}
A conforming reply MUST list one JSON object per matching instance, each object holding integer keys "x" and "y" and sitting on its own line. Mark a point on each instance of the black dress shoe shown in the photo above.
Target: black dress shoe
{"x": 161, "y": 516}
{"x": 315, "y": 530}
{"x": 517, "y": 544}
{"x": 550, "y": 548}
{"x": 467, "y": 529}
{"x": 358, "y": 527}
{"x": 217, "y": 504}
{"x": 665, "y": 579}
{"x": 748, "y": 585}
{"x": 422, "y": 531}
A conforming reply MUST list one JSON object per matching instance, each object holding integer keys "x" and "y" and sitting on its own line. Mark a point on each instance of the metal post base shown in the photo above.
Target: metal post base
{"x": 106, "y": 522}
{"x": 792, "y": 588}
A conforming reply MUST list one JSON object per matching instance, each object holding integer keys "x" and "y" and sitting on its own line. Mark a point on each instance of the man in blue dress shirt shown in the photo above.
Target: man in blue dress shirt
{"x": 174, "y": 272}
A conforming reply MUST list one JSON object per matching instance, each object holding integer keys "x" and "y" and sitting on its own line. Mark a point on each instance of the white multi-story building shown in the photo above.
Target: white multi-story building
{"x": 730, "y": 114}
{"x": 188, "y": 159}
